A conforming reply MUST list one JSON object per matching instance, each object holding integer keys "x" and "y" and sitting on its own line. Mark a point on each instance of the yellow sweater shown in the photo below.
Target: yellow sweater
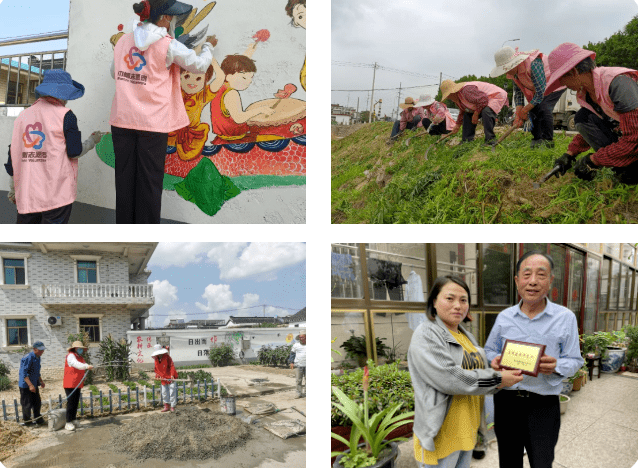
{"x": 461, "y": 424}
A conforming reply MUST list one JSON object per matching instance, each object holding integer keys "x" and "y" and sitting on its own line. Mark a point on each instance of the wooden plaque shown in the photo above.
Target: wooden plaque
{"x": 519, "y": 355}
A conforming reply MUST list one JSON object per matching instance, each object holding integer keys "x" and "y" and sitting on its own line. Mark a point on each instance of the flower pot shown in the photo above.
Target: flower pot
{"x": 387, "y": 458}
{"x": 577, "y": 383}
{"x": 564, "y": 401}
{"x": 567, "y": 387}
{"x": 615, "y": 357}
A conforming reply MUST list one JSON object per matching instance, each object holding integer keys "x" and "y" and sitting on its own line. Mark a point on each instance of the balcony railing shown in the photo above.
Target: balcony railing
{"x": 98, "y": 293}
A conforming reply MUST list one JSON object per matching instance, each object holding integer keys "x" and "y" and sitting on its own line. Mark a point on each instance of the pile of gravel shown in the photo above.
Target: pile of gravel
{"x": 189, "y": 434}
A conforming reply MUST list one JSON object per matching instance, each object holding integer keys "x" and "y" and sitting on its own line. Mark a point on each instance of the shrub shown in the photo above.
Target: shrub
{"x": 200, "y": 375}
{"x": 355, "y": 347}
{"x": 4, "y": 369}
{"x": 116, "y": 355}
{"x": 142, "y": 375}
{"x": 194, "y": 366}
{"x": 221, "y": 355}
{"x": 388, "y": 385}
{"x": 5, "y": 383}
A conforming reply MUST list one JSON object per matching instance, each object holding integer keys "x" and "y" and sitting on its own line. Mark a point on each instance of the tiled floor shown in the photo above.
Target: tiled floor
{"x": 599, "y": 429}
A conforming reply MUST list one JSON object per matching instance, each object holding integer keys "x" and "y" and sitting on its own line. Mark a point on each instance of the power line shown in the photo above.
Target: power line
{"x": 380, "y": 89}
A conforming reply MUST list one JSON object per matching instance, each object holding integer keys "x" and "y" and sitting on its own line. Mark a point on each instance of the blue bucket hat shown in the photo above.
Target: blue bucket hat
{"x": 58, "y": 84}
{"x": 39, "y": 346}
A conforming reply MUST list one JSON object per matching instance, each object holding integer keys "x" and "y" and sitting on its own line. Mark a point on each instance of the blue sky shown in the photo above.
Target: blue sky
{"x": 28, "y": 17}
{"x": 198, "y": 280}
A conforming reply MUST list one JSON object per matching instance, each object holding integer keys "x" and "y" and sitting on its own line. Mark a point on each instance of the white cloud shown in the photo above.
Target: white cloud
{"x": 178, "y": 254}
{"x": 258, "y": 258}
{"x": 220, "y": 297}
{"x": 165, "y": 296}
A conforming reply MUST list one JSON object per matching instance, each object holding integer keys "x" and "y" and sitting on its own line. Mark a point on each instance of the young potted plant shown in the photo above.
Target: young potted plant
{"x": 564, "y": 401}
{"x": 355, "y": 347}
{"x": 632, "y": 347}
{"x": 375, "y": 451}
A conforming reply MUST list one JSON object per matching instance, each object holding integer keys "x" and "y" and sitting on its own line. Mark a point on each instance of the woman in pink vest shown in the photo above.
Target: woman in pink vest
{"x": 530, "y": 71}
{"x": 44, "y": 152}
{"x": 608, "y": 119}
{"x": 148, "y": 105}
{"x": 75, "y": 368}
{"x": 437, "y": 117}
{"x": 476, "y": 100}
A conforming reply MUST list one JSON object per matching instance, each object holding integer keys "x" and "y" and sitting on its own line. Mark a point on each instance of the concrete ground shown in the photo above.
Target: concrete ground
{"x": 599, "y": 429}
{"x": 84, "y": 447}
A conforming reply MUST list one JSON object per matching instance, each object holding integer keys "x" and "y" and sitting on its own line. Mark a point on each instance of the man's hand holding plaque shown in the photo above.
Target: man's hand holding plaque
{"x": 529, "y": 358}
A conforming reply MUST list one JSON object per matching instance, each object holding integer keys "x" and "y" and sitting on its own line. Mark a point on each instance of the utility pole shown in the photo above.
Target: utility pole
{"x": 374, "y": 74}
{"x": 264, "y": 306}
{"x": 398, "y": 102}
{"x": 440, "y": 79}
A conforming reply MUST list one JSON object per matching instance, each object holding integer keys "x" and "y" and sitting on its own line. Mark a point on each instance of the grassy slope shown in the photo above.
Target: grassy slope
{"x": 466, "y": 183}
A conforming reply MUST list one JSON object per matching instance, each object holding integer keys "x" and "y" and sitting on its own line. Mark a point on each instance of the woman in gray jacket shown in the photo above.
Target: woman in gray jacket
{"x": 450, "y": 374}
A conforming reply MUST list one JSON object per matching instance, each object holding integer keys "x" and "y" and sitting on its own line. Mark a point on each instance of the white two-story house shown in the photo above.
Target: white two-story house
{"x": 51, "y": 290}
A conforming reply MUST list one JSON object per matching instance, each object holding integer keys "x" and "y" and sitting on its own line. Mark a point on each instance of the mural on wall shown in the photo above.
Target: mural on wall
{"x": 246, "y": 145}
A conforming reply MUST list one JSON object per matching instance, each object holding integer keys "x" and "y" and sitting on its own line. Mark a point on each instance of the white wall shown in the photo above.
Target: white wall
{"x": 279, "y": 61}
{"x": 189, "y": 346}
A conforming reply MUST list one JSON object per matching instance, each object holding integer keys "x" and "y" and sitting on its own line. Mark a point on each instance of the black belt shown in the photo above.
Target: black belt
{"x": 527, "y": 394}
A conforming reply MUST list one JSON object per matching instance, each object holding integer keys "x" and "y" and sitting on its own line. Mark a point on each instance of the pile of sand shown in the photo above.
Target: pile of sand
{"x": 189, "y": 434}
{"x": 12, "y": 435}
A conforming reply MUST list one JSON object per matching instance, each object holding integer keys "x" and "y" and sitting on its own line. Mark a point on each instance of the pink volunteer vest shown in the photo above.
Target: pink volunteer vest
{"x": 45, "y": 178}
{"x": 524, "y": 81}
{"x": 147, "y": 95}
{"x": 497, "y": 96}
{"x": 603, "y": 76}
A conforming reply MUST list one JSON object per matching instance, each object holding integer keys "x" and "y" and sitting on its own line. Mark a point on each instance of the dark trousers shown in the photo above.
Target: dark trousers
{"x": 488, "y": 117}
{"x": 532, "y": 422}
{"x": 72, "y": 403}
{"x": 438, "y": 129}
{"x": 31, "y": 401}
{"x": 542, "y": 117}
{"x": 598, "y": 134}
{"x": 410, "y": 125}
{"x": 139, "y": 175}
{"x": 56, "y": 216}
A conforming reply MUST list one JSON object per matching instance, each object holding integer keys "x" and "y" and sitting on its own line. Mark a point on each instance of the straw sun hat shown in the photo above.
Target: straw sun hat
{"x": 76, "y": 344}
{"x": 507, "y": 59}
{"x": 448, "y": 87}
{"x": 158, "y": 350}
{"x": 409, "y": 102}
{"x": 424, "y": 100}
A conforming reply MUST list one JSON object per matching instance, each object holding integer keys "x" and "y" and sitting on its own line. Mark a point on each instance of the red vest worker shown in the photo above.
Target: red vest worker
{"x": 75, "y": 368}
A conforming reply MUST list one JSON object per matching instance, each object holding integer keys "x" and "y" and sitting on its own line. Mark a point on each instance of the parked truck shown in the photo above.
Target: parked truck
{"x": 565, "y": 109}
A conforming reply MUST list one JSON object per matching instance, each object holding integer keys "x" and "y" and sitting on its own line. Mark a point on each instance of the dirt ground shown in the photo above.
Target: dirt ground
{"x": 91, "y": 444}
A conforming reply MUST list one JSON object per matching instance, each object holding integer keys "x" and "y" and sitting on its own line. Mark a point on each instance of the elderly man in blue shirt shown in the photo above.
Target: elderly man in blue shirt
{"x": 29, "y": 381}
{"x": 527, "y": 415}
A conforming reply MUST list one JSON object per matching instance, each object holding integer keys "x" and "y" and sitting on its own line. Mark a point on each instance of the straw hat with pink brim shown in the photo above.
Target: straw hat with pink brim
{"x": 424, "y": 100}
{"x": 507, "y": 59}
{"x": 561, "y": 60}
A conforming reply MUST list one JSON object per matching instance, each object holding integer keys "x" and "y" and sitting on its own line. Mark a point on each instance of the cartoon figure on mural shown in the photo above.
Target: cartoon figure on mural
{"x": 209, "y": 164}
{"x": 296, "y": 9}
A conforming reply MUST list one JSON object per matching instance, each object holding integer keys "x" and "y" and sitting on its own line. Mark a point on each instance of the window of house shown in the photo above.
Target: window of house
{"x": 17, "y": 332}
{"x": 14, "y": 271}
{"x": 87, "y": 271}
{"x": 91, "y": 325}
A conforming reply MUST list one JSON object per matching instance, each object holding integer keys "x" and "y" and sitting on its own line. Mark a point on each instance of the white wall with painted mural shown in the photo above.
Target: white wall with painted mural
{"x": 226, "y": 172}
{"x": 192, "y": 346}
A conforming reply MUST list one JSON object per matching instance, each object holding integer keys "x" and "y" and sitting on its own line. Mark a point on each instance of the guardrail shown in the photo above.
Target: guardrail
{"x": 127, "y": 402}
{"x": 96, "y": 290}
{"x": 16, "y": 71}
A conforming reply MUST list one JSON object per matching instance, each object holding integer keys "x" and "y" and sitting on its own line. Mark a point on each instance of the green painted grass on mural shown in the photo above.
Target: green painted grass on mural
{"x": 260, "y": 181}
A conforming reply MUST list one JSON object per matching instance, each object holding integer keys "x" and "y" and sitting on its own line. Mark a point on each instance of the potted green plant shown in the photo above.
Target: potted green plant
{"x": 632, "y": 347}
{"x": 564, "y": 401}
{"x": 613, "y": 354}
{"x": 375, "y": 451}
{"x": 355, "y": 348}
